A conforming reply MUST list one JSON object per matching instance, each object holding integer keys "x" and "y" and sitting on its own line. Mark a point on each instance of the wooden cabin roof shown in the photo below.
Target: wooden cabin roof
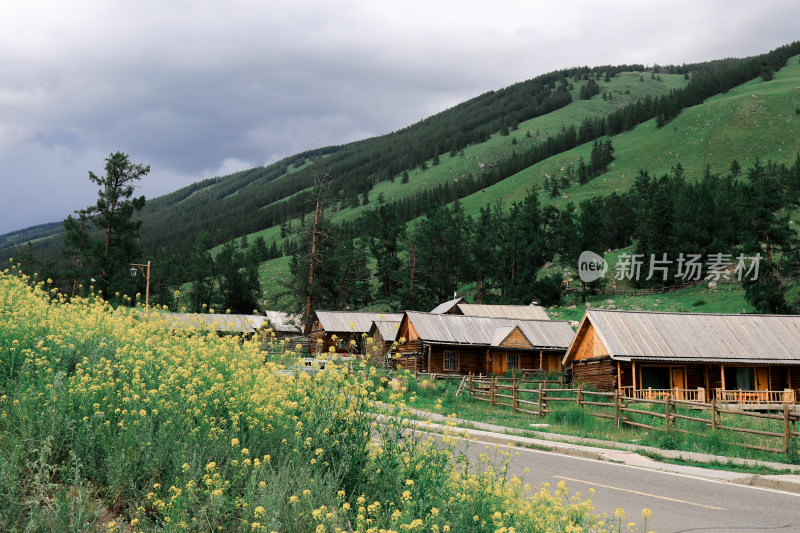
{"x": 488, "y": 331}
{"x": 448, "y": 306}
{"x": 213, "y": 322}
{"x": 351, "y": 321}
{"x": 525, "y": 312}
{"x": 387, "y": 329}
{"x": 692, "y": 337}
{"x": 283, "y": 322}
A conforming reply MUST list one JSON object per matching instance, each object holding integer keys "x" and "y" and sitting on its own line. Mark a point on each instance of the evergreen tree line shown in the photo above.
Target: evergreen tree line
{"x": 671, "y": 217}
{"x": 502, "y": 250}
{"x": 716, "y": 76}
{"x": 228, "y": 281}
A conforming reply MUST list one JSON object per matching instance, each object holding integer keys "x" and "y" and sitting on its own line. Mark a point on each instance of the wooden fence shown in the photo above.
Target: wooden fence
{"x": 639, "y": 292}
{"x": 534, "y": 397}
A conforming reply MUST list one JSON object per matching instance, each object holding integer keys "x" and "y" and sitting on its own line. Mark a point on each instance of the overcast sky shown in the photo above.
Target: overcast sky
{"x": 203, "y": 88}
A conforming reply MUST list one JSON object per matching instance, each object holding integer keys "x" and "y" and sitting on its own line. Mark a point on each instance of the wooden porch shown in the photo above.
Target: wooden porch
{"x": 757, "y": 385}
{"x": 699, "y": 395}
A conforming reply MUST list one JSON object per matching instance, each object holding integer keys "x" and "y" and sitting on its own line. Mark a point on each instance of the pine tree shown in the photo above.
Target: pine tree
{"x": 554, "y": 192}
{"x": 109, "y": 256}
{"x": 735, "y": 169}
{"x": 259, "y": 252}
{"x": 203, "y": 273}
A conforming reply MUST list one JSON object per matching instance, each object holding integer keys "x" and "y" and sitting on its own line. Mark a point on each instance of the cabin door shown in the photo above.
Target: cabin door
{"x": 678, "y": 381}
{"x": 497, "y": 363}
{"x": 762, "y": 378}
{"x": 762, "y": 382}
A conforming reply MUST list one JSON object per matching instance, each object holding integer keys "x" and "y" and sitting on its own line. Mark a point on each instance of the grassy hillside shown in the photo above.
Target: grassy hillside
{"x": 726, "y": 297}
{"x": 625, "y": 88}
{"x": 757, "y": 119}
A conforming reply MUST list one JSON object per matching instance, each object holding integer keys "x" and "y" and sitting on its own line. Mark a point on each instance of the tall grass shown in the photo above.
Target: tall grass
{"x": 110, "y": 420}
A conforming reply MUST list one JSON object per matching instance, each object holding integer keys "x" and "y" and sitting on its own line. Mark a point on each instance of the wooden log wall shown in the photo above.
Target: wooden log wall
{"x": 695, "y": 376}
{"x": 601, "y": 373}
{"x": 777, "y": 378}
{"x": 469, "y": 360}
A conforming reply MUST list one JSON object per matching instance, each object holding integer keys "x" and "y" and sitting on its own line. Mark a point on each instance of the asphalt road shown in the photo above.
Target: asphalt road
{"x": 679, "y": 502}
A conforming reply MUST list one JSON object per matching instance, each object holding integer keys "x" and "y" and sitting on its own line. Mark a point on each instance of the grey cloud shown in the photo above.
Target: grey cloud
{"x": 198, "y": 87}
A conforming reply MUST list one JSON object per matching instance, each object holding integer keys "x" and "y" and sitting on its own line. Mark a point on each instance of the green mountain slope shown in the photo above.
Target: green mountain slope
{"x": 755, "y": 120}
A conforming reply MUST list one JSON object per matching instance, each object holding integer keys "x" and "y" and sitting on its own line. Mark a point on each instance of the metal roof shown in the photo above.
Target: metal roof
{"x": 229, "y": 322}
{"x": 214, "y": 322}
{"x": 387, "y": 328}
{"x": 525, "y": 312}
{"x": 447, "y": 306}
{"x": 350, "y": 321}
{"x": 692, "y": 337}
{"x": 500, "y": 334}
{"x": 282, "y": 322}
{"x": 485, "y": 331}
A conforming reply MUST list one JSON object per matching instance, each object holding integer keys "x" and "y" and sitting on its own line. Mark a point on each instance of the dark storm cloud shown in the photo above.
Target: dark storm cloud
{"x": 200, "y": 88}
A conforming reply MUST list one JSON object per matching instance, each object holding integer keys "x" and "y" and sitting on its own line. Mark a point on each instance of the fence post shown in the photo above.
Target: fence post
{"x": 714, "y": 413}
{"x": 616, "y": 408}
{"x": 514, "y": 395}
{"x": 491, "y": 385}
{"x": 579, "y": 394}
{"x": 786, "y": 428}
{"x": 666, "y": 411}
{"x": 541, "y": 413}
{"x": 470, "y": 383}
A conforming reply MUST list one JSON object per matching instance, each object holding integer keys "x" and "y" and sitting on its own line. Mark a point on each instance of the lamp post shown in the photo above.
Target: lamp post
{"x": 134, "y": 268}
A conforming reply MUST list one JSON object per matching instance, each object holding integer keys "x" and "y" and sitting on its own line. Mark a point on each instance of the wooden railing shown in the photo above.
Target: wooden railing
{"x": 739, "y": 396}
{"x": 642, "y": 408}
{"x": 689, "y": 395}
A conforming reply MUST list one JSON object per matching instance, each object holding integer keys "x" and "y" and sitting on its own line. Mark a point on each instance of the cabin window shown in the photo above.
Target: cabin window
{"x": 656, "y": 377}
{"x": 450, "y": 360}
{"x": 513, "y": 361}
{"x": 739, "y": 377}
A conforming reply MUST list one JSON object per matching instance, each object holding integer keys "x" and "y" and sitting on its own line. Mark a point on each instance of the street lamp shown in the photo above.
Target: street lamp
{"x": 134, "y": 268}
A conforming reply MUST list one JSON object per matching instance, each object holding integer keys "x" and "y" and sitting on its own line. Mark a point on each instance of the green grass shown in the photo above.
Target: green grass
{"x": 274, "y": 276}
{"x": 729, "y": 466}
{"x": 726, "y": 298}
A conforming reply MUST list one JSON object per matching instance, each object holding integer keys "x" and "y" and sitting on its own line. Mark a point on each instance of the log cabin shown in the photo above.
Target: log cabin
{"x": 460, "y": 344}
{"x": 735, "y": 358}
{"x": 337, "y": 328}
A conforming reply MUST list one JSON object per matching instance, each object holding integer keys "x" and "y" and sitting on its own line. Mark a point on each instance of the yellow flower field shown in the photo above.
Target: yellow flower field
{"x": 110, "y": 421}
